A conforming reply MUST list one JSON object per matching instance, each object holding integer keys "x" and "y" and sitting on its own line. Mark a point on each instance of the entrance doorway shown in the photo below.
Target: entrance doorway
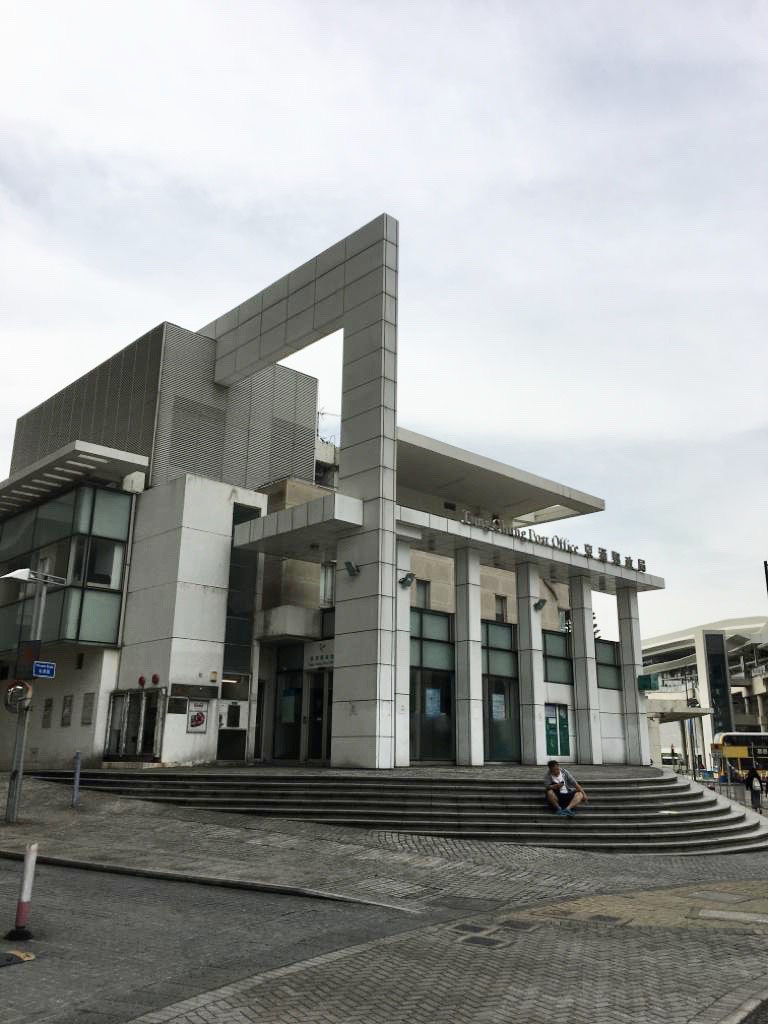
{"x": 303, "y": 705}
{"x": 502, "y": 719}
{"x": 135, "y": 725}
{"x": 431, "y": 715}
{"x": 558, "y": 738}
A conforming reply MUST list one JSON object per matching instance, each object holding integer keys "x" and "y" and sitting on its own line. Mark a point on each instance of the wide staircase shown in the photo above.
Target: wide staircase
{"x": 651, "y": 813}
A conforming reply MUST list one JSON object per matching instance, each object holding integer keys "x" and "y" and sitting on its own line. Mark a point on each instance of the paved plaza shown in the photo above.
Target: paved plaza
{"x": 417, "y": 929}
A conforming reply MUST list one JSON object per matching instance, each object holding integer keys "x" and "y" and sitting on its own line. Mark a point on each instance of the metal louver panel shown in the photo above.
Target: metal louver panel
{"x": 114, "y": 404}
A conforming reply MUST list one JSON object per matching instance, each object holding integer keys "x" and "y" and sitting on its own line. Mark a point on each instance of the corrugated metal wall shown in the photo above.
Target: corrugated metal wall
{"x": 114, "y": 404}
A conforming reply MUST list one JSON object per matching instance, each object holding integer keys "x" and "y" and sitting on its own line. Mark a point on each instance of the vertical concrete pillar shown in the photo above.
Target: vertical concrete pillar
{"x": 530, "y": 658}
{"x": 364, "y": 677}
{"x": 589, "y": 745}
{"x": 469, "y": 661}
{"x": 403, "y": 660}
{"x": 631, "y": 655}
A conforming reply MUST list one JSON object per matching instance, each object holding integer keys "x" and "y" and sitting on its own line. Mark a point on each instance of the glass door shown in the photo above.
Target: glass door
{"x": 288, "y": 707}
{"x": 318, "y": 718}
{"x": 431, "y": 715}
{"x": 303, "y": 716}
{"x": 556, "y": 721}
{"x": 502, "y": 719}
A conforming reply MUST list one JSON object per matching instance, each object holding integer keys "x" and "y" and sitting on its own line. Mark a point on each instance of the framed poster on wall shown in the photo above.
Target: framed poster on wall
{"x": 197, "y": 716}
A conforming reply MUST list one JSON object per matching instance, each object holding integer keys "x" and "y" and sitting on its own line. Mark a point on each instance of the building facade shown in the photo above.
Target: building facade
{"x": 718, "y": 671}
{"x": 235, "y": 589}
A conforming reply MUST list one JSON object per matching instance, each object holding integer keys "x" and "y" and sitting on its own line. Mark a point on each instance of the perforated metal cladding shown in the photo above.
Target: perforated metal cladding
{"x": 192, "y": 409}
{"x": 114, "y": 405}
{"x": 283, "y": 425}
{"x": 261, "y": 429}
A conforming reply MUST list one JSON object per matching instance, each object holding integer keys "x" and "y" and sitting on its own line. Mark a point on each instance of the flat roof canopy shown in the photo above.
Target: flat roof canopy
{"x": 430, "y": 469}
{"x": 74, "y": 463}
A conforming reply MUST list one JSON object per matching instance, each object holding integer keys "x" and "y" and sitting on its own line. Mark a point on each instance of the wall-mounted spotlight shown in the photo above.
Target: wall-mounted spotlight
{"x": 352, "y": 568}
{"x": 538, "y": 605}
{"x": 407, "y": 580}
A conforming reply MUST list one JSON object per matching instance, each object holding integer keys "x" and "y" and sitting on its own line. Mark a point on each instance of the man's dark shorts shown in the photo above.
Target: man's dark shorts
{"x": 564, "y": 799}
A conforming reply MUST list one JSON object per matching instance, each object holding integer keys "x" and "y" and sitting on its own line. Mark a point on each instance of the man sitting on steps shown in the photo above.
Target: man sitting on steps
{"x": 564, "y": 793}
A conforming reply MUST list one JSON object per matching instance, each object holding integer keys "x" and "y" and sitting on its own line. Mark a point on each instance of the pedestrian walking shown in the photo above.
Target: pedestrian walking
{"x": 754, "y": 784}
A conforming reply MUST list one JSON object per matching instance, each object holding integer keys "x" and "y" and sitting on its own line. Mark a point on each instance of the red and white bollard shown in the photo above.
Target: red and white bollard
{"x": 20, "y": 931}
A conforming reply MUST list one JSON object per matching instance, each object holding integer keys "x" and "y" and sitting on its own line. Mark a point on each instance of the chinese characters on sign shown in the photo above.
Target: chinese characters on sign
{"x": 559, "y": 543}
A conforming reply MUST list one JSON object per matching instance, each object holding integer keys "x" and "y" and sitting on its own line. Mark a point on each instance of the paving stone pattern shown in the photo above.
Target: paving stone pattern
{"x": 527, "y": 934}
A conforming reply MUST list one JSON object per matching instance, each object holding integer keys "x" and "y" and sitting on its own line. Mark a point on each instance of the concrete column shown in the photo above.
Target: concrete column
{"x": 530, "y": 658}
{"x": 631, "y": 654}
{"x": 589, "y": 744}
{"x": 469, "y": 659}
{"x": 403, "y": 660}
{"x": 364, "y": 657}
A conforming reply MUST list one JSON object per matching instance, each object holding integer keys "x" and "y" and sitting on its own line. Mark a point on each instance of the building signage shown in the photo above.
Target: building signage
{"x": 44, "y": 670}
{"x": 496, "y": 525}
{"x": 197, "y": 716}
{"x": 318, "y": 655}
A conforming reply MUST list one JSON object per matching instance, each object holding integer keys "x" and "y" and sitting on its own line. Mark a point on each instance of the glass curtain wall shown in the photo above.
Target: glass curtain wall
{"x": 80, "y": 535}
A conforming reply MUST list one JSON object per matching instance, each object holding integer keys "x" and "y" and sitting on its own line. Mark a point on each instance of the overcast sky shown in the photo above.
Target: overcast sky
{"x": 581, "y": 190}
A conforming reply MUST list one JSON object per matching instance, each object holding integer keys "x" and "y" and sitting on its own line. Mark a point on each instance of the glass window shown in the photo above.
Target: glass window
{"x": 606, "y": 652}
{"x": 111, "y": 514}
{"x": 500, "y": 607}
{"x": 71, "y": 613}
{"x": 52, "y": 559}
{"x": 54, "y": 519}
{"x": 564, "y": 619}
{"x": 290, "y": 658}
{"x": 437, "y": 655}
{"x": 555, "y": 644}
{"x": 54, "y": 602}
{"x": 328, "y": 583}
{"x": 238, "y": 631}
{"x": 436, "y": 627}
{"x": 420, "y": 594}
{"x": 415, "y": 623}
{"x": 66, "y": 710}
{"x": 83, "y": 510}
{"x": 558, "y": 670}
{"x": 236, "y": 689}
{"x": 86, "y": 715}
{"x": 608, "y": 677}
{"x": 502, "y": 663}
{"x": 105, "y": 564}
{"x": 9, "y": 627}
{"x": 99, "y": 617}
{"x": 415, "y": 651}
{"x": 17, "y": 535}
{"x": 500, "y": 636}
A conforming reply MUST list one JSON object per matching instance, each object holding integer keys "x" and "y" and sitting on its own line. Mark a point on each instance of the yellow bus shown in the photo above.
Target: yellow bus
{"x": 734, "y": 753}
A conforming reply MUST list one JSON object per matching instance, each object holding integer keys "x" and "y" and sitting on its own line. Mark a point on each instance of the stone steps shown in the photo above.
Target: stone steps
{"x": 662, "y": 814}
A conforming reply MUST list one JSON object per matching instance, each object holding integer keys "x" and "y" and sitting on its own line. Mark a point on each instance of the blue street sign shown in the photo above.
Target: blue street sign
{"x": 43, "y": 669}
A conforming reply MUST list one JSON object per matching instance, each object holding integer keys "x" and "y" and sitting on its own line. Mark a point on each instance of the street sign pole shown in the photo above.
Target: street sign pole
{"x": 17, "y": 765}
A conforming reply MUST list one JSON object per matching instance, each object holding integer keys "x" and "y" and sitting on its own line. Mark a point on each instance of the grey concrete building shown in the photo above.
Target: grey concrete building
{"x": 236, "y": 589}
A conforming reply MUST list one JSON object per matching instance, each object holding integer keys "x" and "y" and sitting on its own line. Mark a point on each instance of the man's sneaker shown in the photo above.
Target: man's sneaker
{"x": 561, "y": 812}
{"x": 570, "y": 813}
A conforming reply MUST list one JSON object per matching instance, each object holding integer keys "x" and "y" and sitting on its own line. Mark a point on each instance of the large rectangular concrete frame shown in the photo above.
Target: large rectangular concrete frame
{"x": 351, "y": 286}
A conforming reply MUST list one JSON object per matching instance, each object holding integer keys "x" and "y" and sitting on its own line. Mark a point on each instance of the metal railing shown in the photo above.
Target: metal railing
{"x": 731, "y": 789}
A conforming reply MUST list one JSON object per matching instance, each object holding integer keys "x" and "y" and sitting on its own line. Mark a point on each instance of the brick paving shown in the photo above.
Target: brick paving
{"x": 533, "y": 935}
